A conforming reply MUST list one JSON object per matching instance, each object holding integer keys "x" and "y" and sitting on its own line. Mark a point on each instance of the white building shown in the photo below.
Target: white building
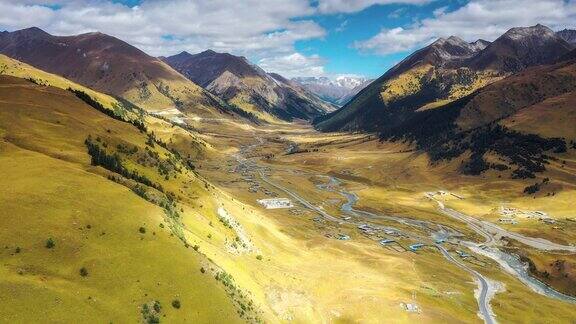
{"x": 275, "y": 203}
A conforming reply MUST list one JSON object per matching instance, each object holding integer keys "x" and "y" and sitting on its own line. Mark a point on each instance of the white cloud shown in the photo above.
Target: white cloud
{"x": 294, "y": 65}
{"x": 485, "y": 19}
{"x": 349, "y": 6}
{"x": 158, "y": 27}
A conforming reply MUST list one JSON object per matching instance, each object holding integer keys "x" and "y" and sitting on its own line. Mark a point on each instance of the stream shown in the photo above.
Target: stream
{"x": 509, "y": 262}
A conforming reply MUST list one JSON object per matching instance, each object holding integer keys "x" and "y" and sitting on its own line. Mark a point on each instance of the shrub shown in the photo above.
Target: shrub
{"x": 83, "y": 272}
{"x": 50, "y": 243}
{"x": 142, "y": 230}
{"x": 202, "y": 270}
{"x": 176, "y": 304}
{"x": 259, "y": 257}
{"x": 157, "y": 307}
{"x": 532, "y": 189}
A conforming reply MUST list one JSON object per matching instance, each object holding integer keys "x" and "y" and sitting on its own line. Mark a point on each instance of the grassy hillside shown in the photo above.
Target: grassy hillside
{"x": 86, "y": 240}
{"x": 9, "y": 66}
{"x": 391, "y": 100}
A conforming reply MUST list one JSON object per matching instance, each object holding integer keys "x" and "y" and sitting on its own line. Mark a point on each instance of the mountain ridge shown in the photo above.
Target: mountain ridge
{"x": 442, "y": 72}
{"x": 241, "y": 83}
{"x": 112, "y": 66}
{"x": 337, "y": 91}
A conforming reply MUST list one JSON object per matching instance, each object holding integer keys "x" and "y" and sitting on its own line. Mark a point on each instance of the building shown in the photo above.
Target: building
{"x": 275, "y": 203}
{"x": 416, "y": 247}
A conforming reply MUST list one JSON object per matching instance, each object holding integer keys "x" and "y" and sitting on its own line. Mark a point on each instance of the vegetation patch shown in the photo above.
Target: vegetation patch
{"x": 111, "y": 113}
{"x": 50, "y": 243}
{"x": 436, "y": 132}
{"x": 113, "y": 162}
{"x": 151, "y": 312}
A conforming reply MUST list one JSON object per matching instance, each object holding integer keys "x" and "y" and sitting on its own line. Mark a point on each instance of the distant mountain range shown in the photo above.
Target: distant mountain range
{"x": 337, "y": 91}
{"x": 206, "y": 84}
{"x": 245, "y": 85}
{"x": 569, "y": 35}
{"x": 453, "y": 97}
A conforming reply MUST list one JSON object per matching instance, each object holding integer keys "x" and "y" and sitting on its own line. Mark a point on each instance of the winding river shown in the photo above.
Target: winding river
{"x": 487, "y": 288}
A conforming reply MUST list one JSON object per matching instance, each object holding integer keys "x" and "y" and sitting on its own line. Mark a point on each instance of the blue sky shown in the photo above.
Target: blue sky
{"x": 290, "y": 37}
{"x": 345, "y": 29}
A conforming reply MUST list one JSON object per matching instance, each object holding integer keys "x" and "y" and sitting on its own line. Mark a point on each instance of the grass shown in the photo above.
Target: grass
{"x": 51, "y": 190}
{"x": 294, "y": 274}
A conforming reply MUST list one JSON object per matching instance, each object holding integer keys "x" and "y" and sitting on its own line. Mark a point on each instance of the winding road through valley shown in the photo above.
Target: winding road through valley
{"x": 490, "y": 232}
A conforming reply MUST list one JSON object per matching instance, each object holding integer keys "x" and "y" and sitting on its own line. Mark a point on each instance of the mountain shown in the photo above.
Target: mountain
{"x": 443, "y": 72}
{"x": 520, "y": 48}
{"x": 479, "y": 45}
{"x": 337, "y": 91}
{"x": 109, "y": 65}
{"x": 427, "y": 78}
{"x": 247, "y": 86}
{"x": 569, "y": 35}
{"x": 515, "y": 125}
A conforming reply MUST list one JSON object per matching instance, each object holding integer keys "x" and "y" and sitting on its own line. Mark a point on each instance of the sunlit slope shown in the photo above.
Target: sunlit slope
{"x": 266, "y": 96}
{"x": 9, "y": 66}
{"x": 534, "y": 86}
{"x": 395, "y": 96}
{"x": 79, "y": 246}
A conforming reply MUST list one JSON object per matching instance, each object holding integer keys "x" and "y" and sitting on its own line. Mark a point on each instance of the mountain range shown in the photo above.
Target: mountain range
{"x": 337, "y": 91}
{"x": 442, "y": 72}
{"x": 211, "y": 84}
{"x": 495, "y": 101}
{"x": 112, "y": 66}
{"x": 245, "y": 85}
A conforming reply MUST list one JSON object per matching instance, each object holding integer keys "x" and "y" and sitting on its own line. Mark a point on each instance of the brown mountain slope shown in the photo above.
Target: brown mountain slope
{"x": 508, "y": 96}
{"x": 520, "y": 48}
{"x": 442, "y": 72}
{"x": 247, "y": 86}
{"x": 112, "y": 66}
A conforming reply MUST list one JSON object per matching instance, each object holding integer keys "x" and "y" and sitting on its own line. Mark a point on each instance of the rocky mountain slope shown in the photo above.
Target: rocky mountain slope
{"x": 248, "y": 87}
{"x": 520, "y": 48}
{"x": 442, "y": 72}
{"x": 109, "y": 65}
{"x": 569, "y": 35}
{"x": 337, "y": 91}
{"x": 516, "y": 125}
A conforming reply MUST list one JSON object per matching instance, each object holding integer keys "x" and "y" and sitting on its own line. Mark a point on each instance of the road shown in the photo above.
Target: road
{"x": 491, "y": 231}
{"x": 486, "y": 290}
{"x": 303, "y": 201}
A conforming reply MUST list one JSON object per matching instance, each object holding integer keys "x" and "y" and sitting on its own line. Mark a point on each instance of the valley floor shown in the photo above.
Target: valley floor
{"x": 377, "y": 233}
